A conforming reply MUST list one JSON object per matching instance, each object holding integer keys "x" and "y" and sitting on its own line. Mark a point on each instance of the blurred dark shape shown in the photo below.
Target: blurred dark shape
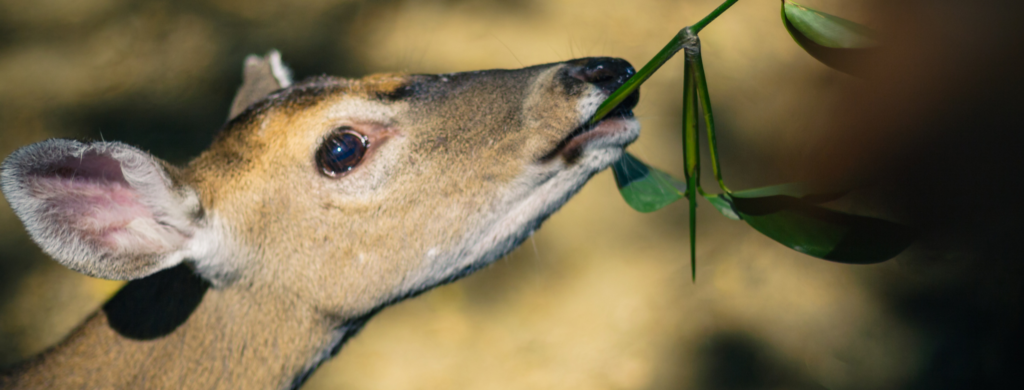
{"x": 174, "y": 132}
{"x": 937, "y": 126}
{"x": 11, "y": 271}
{"x": 737, "y": 361}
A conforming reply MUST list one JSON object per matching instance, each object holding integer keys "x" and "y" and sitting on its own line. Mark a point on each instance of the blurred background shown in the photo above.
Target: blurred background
{"x": 601, "y": 296}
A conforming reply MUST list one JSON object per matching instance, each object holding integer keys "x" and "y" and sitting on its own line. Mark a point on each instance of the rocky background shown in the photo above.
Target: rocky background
{"x": 601, "y": 297}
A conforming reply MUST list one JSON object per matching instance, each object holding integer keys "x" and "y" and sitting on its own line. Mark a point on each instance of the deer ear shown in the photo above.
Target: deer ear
{"x": 105, "y": 209}
{"x": 260, "y": 77}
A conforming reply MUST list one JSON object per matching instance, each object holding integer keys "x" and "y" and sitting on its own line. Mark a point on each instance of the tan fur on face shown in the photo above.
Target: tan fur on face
{"x": 460, "y": 169}
{"x": 437, "y": 171}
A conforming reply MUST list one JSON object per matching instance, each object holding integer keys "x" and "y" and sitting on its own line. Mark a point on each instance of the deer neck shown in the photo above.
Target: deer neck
{"x": 172, "y": 331}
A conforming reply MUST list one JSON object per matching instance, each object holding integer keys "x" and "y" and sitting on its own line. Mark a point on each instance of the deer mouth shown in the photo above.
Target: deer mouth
{"x": 619, "y": 120}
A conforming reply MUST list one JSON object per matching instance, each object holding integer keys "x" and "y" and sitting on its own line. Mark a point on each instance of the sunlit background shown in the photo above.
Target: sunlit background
{"x": 601, "y": 297}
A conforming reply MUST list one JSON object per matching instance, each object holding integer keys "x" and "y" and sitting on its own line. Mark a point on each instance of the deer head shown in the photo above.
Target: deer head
{"x": 333, "y": 197}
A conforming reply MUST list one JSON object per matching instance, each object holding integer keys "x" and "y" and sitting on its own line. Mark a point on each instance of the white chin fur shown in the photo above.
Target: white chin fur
{"x": 538, "y": 193}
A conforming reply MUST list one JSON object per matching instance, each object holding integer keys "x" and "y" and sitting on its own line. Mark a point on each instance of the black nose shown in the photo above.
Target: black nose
{"x": 605, "y": 72}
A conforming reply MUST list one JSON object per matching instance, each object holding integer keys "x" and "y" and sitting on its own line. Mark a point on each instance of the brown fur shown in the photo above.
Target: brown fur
{"x": 454, "y": 178}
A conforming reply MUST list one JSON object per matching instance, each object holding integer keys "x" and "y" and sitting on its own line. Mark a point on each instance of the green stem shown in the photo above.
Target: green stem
{"x": 705, "y": 102}
{"x": 692, "y": 197}
{"x": 714, "y": 14}
{"x": 634, "y": 82}
{"x": 691, "y": 156}
{"x": 685, "y": 37}
{"x": 691, "y": 151}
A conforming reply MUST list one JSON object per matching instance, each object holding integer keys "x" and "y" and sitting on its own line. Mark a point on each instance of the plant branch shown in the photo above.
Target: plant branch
{"x": 685, "y": 38}
{"x": 697, "y": 69}
{"x": 711, "y": 17}
{"x": 691, "y": 156}
{"x": 641, "y": 76}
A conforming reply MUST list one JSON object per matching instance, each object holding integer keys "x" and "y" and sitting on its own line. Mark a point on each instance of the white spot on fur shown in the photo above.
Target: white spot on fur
{"x": 280, "y": 71}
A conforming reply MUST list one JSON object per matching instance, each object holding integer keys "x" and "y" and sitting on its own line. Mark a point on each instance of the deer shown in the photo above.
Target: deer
{"x": 317, "y": 204}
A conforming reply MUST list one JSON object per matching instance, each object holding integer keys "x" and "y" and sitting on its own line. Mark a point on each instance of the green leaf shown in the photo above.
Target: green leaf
{"x": 787, "y": 214}
{"x": 644, "y": 188}
{"x": 828, "y": 30}
{"x": 809, "y": 192}
{"x": 723, "y": 204}
{"x": 836, "y": 42}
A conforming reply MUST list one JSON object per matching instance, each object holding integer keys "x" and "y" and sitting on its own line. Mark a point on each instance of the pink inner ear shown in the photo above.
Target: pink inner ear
{"x": 91, "y": 196}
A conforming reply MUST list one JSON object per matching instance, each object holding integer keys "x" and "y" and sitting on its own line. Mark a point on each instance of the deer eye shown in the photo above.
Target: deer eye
{"x": 341, "y": 151}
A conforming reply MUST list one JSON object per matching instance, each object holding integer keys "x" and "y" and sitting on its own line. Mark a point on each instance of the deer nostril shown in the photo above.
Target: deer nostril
{"x": 607, "y": 73}
{"x": 600, "y": 75}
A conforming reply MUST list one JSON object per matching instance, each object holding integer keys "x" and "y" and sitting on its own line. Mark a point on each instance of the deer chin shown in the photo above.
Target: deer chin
{"x": 542, "y": 189}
